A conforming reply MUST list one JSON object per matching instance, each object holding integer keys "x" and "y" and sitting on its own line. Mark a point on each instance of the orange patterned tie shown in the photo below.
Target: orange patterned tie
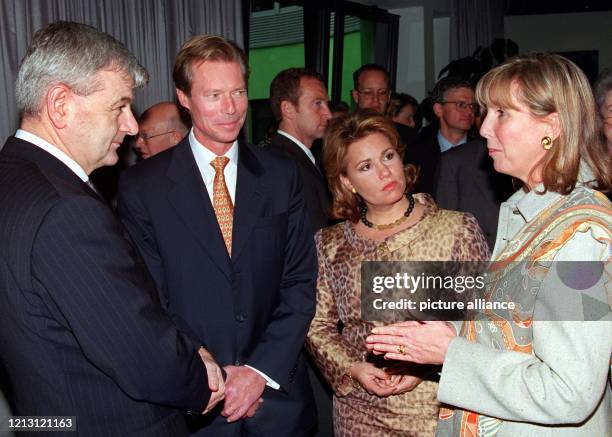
{"x": 222, "y": 202}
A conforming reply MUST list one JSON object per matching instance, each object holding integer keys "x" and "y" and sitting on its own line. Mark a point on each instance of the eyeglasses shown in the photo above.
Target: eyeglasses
{"x": 370, "y": 93}
{"x": 146, "y": 137}
{"x": 462, "y": 106}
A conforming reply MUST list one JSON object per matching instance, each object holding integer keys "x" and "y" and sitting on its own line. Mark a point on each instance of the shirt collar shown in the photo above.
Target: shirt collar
{"x": 301, "y": 145}
{"x": 530, "y": 204}
{"x": 204, "y": 155}
{"x": 445, "y": 144}
{"x": 53, "y": 150}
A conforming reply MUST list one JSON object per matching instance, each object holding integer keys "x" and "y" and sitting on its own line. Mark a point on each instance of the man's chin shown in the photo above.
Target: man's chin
{"x": 110, "y": 159}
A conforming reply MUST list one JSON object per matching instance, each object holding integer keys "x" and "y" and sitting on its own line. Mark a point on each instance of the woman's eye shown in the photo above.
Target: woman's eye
{"x": 365, "y": 167}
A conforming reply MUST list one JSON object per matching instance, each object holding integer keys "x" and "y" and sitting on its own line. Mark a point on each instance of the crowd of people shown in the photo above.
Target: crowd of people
{"x": 227, "y": 283}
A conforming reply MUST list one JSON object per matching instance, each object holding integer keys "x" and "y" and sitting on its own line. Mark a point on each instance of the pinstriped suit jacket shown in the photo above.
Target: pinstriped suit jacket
{"x": 81, "y": 329}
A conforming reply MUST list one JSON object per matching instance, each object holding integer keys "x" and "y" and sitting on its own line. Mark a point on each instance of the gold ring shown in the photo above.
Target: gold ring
{"x": 401, "y": 350}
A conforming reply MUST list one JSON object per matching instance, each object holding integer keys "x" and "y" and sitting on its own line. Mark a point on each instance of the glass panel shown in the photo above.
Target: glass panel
{"x": 276, "y": 43}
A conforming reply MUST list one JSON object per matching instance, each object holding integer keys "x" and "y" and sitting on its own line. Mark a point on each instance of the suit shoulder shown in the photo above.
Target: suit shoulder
{"x": 149, "y": 168}
{"x": 272, "y": 158}
{"x": 23, "y": 184}
{"x": 472, "y": 150}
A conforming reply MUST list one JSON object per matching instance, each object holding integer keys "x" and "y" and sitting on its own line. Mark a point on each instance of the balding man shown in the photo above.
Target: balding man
{"x": 160, "y": 127}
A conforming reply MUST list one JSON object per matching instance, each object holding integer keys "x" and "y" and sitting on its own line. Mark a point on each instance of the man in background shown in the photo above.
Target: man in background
{"x": 161, "y": 126}
{"x": 371, "y": 89}
{"x": 454, "y": 106}
{"x": 299, "y": 102}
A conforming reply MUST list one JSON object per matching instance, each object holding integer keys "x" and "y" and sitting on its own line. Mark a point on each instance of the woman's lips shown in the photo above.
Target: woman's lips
{"x": 389, "y": 186}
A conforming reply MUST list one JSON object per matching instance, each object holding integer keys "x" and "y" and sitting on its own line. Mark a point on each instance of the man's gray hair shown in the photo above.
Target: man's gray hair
{"x": 71, "y": 54}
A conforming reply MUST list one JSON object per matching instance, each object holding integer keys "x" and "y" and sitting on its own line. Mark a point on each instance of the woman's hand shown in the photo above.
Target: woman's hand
{"x": 375, "y": 381}
{"x": 406, "y": 383}
{"x": 423, "y": 343}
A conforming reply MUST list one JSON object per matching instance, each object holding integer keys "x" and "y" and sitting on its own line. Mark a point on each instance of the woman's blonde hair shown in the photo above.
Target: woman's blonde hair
{"x": 341, "y": 133}
{"x": 549, "y": 84}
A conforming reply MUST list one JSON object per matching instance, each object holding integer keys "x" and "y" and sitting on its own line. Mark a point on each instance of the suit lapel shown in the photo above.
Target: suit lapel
{"x": 249, "y": 198}
{"x": 295, "y": 151}
{"x": 192, "y": 203}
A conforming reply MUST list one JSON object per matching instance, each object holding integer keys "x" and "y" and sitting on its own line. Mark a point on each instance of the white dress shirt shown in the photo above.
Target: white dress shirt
{"x": 53, "y": 150}
{"x": 203, "y": 157}
{"x": 301, "y": 145}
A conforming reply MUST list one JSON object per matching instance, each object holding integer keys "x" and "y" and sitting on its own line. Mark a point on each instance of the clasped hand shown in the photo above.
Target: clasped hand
{"x": 383, "y": 382}
{"x": 215, "y": 379}
{"x": 244, "y": 388}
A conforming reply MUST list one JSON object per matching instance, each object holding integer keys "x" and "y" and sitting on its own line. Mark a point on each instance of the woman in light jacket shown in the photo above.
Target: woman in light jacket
{"x": 541, "y": 369}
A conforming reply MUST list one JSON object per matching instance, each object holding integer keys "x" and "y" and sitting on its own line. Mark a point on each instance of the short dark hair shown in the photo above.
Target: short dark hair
{"x": 368, "y": 67}
{"x": 444, "y": 85}
{"x": 286, "y": 86}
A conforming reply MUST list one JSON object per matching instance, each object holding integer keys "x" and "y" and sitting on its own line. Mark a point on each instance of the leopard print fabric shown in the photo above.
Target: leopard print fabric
{"x": 439, "y": 235}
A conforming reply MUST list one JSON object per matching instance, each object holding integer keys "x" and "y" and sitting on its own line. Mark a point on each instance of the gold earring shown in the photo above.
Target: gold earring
{"x": 547, "y": 143}
{"x": 353, "y": 190}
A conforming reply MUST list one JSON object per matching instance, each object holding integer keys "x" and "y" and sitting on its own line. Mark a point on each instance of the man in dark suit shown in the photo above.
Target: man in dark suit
{"x": 223, "y": 228}
{"x": 299, "y": 102}
{"x": 82, "y": 331}
{"x": 466, "y": 181}
{"x": 455, "y": 107}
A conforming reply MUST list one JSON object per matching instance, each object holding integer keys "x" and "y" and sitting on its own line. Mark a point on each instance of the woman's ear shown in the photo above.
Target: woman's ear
{"x": 554, "y": 125}
{"x": 345, "y": 182}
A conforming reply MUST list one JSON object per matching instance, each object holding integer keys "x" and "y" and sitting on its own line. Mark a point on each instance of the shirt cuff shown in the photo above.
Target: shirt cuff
{"x": 269, "y": 381}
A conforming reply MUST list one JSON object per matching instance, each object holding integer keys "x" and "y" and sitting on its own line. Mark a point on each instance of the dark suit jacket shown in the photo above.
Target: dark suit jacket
{"x": 424, "y": 153}
{"x": 254, "y": 308}
{"x": 82, "y": 332}
{"x": 316, "y": 194}
{"x": 466, "y": 181}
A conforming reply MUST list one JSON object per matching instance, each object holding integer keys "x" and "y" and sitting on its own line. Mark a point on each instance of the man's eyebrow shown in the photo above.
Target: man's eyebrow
{"x": 122, "y": 101}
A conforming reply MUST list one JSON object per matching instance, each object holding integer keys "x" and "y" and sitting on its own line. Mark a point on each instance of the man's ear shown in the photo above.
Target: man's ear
{"x": 355, "y": 95}
{"x": 437, "y": 109}
{"x": 183, "y": 99}
{"x": 59, "y": 105}
{"x": 287, "y": 110}
{"x": 554, "y": 125}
